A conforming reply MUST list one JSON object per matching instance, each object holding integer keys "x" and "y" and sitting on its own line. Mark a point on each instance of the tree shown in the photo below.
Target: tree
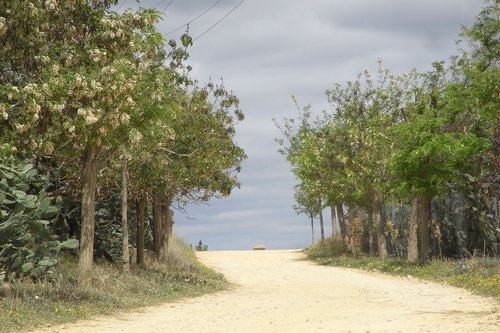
{"x": 300, "y": 147}
{"x": 306, "y": 205}
{"x": 427, "y": 156}
{"x": 75, "y": 96}
{"x": 408, "y": 139}
{"x": 472, "y": 106}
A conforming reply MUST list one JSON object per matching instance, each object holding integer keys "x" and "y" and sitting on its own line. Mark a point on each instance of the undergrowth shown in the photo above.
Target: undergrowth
{"x": 477, "y": 274}
{"x": 25, "y": 305}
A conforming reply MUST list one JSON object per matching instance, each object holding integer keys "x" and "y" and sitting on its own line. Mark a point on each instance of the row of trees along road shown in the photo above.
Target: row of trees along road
{"x": 103, "y": 105}
{"x": 417, "y": 139}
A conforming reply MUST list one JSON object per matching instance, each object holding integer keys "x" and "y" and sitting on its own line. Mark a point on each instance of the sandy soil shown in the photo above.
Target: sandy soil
{"x": 279, "y": 291}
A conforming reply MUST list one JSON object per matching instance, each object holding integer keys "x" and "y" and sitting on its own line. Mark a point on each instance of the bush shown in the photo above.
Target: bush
{"x": 330, "y": 247}
{"x": 181, "y": 257}
{"x": 26, "y": 244}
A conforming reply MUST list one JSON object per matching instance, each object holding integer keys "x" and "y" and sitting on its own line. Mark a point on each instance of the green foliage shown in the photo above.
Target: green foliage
{"x": 330, "y": 247}
{"x": 483, "y": 36}
{"x": 305, "y": 203}
{"x": 85, "y": 86}
{"x": 390, "y": 139}
{"x": 26, "y": 244}
{"x": 426, "y": 159}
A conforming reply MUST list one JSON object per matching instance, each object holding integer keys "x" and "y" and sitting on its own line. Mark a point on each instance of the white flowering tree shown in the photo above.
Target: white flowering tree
{"x": 68, "y": 80}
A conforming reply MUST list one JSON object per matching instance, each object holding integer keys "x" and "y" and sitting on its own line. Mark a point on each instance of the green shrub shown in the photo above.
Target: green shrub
{"x": 330, "y": 247}
{"x": 26, "y": 244}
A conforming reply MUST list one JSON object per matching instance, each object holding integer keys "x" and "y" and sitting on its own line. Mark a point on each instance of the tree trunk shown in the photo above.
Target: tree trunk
{"x": 162, "y": 255}
{"x": 355, "y": 236}
{"x": 312, "y": 227}
{"x": 156, "y": 224}
{"x": 496, "y": 217}
{"x": 321, "y": 225}
{"x": 371, "y": 243}
{"x": 343, "y": 229}
{"x": 125, "y": 248}
{"x": 166, "y": 230}
{"x": 141, "y": 208}
{"x": 380, "y": 227}
{"x": 423, "y": 228}
{"x": 334, "y": 221}
{"x": 412, "y": 248}
{"x": 89, "y": 187}
{"x": 418, "y": 231}
{"x": 170, "y": 225}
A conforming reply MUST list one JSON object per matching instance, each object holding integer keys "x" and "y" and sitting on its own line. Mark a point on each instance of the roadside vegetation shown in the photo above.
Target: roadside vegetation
{"x": 103, "y": 133}
{"x": 480, "y": 275}
{"x": 25, "y": 305}
{"x": 408, "y": 163}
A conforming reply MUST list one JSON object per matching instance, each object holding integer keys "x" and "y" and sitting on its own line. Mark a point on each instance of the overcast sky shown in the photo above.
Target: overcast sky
{"x": 269, "y": 50}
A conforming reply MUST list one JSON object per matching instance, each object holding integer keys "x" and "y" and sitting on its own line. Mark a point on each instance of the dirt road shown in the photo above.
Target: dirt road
{"x": 280, "y": 292}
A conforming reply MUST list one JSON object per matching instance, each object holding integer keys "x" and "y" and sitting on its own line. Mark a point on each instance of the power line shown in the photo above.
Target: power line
{"x": 162, "y": 1}
{"x": 168, "y": 5}
{"x": 197, "y": 17}
{"x": 159, "y": 3}
{"x": 121, "y": 4}
{"x": 220, "y": 20}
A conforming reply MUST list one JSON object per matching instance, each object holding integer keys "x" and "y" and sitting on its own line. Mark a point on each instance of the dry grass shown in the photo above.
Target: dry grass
{"x": 25, "y": 305}
{"x": 479, "y": 275}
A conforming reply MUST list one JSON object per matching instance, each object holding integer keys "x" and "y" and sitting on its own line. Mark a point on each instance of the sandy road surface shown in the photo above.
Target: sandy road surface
{"x": 280, "y": 292}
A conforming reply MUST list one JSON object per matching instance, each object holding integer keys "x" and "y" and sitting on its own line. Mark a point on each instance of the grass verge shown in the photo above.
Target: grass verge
{"x": 479, "y": 275}
{"x": 25, "y": 305}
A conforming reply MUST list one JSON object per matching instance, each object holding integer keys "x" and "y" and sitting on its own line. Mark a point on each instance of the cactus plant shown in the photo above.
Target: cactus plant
{"x": 26, "y": 244}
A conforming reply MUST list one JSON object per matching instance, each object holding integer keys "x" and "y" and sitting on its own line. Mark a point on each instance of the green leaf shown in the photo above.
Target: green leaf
{"x": 22, "y": 187}
{"x": 70, "y": 244}
{"x": 48, "y": 262}
{"x": 19, "y": 194}
{"x": 4, "y": 185}
{"x": 17, "y": 263}
{"x": 44, "y": 205}
{"x": 39, "y": 230}
{"x": 38, "y": 271}
{"x": 27, "y": 267}
{"x": 470, "y": 178}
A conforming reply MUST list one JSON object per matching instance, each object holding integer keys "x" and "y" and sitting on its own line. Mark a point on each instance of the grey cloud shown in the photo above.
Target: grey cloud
{"x": 403, "y": 17}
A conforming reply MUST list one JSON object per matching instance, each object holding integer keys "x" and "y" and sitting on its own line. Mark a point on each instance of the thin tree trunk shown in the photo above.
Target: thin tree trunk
{"x": 342, "y": 225}
{"x": 89, "y": 187}
{"x": 163, "y": 234}
{"x": 141, "y": 208}
{"x": 334, "y": 221}
{"x": 166, "y": 222}
{"x": 125, "y": 248}
{"x": 312, "y": 227}
{"x": 354, "y": 238}
{"x": 380, "y": 227}
{"x": 321, "y": 225}
{"x": 496, "y": 217}
{"x": 412, "y": 248}
{"x": 170, "y": 225}
{"x": 156, "y": 224}
{"x": 371, "y": 243}
{"x": 423, "y": 228}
